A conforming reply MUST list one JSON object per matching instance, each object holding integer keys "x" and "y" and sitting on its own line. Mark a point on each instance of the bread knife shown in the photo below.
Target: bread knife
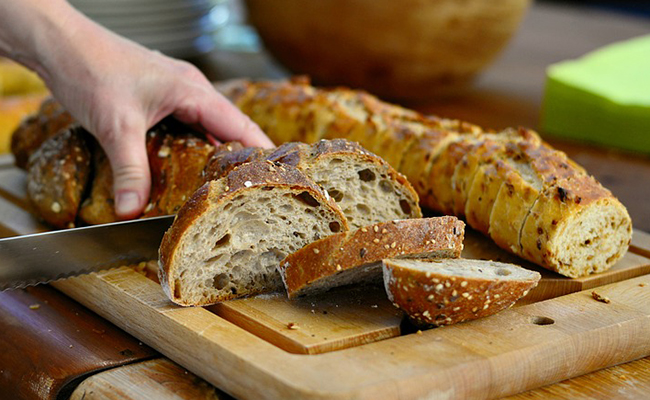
{"x": 44, "y": 257}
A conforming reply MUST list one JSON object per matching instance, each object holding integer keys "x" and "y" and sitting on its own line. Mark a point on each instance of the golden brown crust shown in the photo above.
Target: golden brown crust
{"x": 228, "y": 157}
{"x": 337, "y": 254}
{"x": 58, "y": 173}
{"x": 441, "y": 172}
{"x": 433, "y": 299}
{"x": 419, "y": 156}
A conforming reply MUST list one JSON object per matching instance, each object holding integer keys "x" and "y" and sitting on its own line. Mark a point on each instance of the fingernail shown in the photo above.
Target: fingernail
{"x": 128, "y": 203}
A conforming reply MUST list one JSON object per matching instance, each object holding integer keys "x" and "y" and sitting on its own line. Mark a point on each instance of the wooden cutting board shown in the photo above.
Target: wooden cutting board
{"x": 519, "y": 349}
{"x": 353, "y": 343}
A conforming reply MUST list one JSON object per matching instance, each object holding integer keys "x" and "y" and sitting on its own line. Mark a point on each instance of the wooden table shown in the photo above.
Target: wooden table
{"x": 508, "y": 94}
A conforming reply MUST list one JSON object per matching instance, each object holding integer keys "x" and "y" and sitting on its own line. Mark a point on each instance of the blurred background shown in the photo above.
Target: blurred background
{"x": 483, "y": 61}
{"x": 479, "y": 60}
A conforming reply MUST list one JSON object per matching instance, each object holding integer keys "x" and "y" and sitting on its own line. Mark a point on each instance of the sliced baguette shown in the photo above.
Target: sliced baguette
{"x": 448, "y": 291}
{"x": 355, "y": 256}
{"x": 228, "y": 239}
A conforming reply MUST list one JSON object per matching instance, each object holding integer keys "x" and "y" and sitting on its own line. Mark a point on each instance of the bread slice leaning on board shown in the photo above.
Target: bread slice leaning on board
{"x": 355, "y": 256}
{"x": 528, "y": 197}
{"x": 448, "y": 291}
{"x": 229, "y": 237}
{"x": 365, "y": 187}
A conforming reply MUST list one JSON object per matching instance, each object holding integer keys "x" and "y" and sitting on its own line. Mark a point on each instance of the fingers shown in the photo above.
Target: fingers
{"x": 220, "y": 118}
{"x": 126, "y": 151}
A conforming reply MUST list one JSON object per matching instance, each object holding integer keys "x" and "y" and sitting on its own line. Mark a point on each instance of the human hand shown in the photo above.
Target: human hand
{"x": 118, "y": 89}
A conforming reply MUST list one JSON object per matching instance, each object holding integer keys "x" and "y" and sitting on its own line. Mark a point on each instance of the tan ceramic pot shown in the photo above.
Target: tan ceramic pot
{"x": 398, "y": 49}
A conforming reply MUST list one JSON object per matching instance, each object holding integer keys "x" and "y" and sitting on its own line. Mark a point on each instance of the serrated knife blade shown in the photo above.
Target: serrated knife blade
{"x": 44, "y": 257}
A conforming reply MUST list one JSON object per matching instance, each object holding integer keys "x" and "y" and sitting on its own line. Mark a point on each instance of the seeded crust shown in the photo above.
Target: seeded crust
{"x": 81, "y": 184}
{"x": 448, "y": 291}
{"x": 355, "y": 256}
{"x": 366, "y": 188}
{"x": 36, "y": 129}
{"x": 194, "y": 270}
{"x": 227, "y": 157}
{"x": 58, "y": 174}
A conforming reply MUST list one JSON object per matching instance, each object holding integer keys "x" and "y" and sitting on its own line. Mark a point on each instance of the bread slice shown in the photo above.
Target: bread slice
{"x": 365, "y": 187}
{"x": 448, "y": 291}
{"x": 576, "y": 227}
{"x": 58, "y": 173}
{"x": 355, "y": 256}
{"x": 484, "y": 149}
{"x": 228, "y": 239}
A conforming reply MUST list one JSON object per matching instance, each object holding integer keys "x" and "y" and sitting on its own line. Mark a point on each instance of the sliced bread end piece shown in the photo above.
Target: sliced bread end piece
{"x": 228, "y": 239}
{"x": 355, "y": 256}
{"x": 447, "y": 291}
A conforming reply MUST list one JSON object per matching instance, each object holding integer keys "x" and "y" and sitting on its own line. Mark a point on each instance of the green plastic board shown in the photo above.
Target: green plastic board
{"x": 603, "y": 97}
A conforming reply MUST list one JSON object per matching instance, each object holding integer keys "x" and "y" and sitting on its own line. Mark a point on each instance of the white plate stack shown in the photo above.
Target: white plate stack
{"x": 178, "y": 28}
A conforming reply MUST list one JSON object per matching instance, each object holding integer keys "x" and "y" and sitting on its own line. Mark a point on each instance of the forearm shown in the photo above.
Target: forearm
{"x": 35, "y": 32}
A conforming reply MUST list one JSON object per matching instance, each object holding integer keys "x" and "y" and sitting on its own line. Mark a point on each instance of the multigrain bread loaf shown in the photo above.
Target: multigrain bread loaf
{"x": 510, "y": 185}
{"x": 228, "y": 239}
{"x": 71, "y": 158}
{"x": 365, "y": 187}
{"x": 355, "y": 256}
{"x": 447, "y": 291}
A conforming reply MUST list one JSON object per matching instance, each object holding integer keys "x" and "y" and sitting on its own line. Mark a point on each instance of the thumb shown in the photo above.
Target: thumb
{"x": 127, "y": 154}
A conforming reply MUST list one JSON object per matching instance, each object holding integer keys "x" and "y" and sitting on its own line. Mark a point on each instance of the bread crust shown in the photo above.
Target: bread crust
{"x": 337, "y": 254}
{"x": 57, "y": 177}
{"x": 433, "y": 298}
{"x": 252, "y": 176}
{"x": 177, "y": 170}
{"x": 229, "y": 156}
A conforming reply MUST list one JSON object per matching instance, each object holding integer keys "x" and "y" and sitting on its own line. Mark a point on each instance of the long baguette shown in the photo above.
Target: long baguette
{"x": 514, "y": 188}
